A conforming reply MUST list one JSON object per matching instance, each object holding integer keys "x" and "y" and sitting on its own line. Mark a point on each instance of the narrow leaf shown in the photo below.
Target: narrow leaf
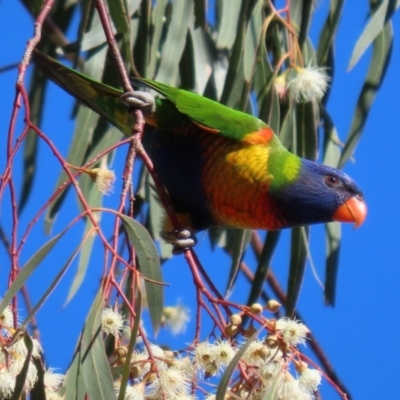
{"x": 371, "y": 31}
{"x": 252, "y": 41}
{"x": 298, "y": 258}
{"x": 21, "y": 377}
{"x": 74, "y": 384}
{"x": 236, "y": 246}
{"x": 118, "y": 10}
{"x": 28, "y": 269}
{"x": 273, "y": 392}
{"x": 228, "y": 26}
{"x": 260, "y": 276}
{"x": 230, "y": 369}
{"x": 96, "y": 370}
{"x": 333, "y": 234}
{"x": 49, "y": 289}
{"x": 132, "y": 341}
{"x": 182, "y": 18}
{"x": 329, "y": 31}
{"x": 38, "y": 392}
{"x": 382, "y": 49}
{"x": 158, "y": 18}
{"x": 149, "y": 264}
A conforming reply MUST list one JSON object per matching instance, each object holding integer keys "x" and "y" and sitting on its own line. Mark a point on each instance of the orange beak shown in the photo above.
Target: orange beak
{"x": 353, "y": 210}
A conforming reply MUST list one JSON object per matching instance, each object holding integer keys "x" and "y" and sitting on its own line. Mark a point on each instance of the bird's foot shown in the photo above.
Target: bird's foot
{"x": 143, "y": 101}
{"x": 180, "y": 240}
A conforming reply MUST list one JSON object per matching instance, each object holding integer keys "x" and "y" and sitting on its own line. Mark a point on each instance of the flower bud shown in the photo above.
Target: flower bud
{"x": 236, "y": 319}
{"x": 256, "y": 308}
{"x": 273, "y": 306}
{"x": 231, "y": 330}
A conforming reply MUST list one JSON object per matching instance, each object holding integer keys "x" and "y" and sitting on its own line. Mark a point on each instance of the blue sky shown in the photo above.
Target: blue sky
{"x": 360, "y": 335}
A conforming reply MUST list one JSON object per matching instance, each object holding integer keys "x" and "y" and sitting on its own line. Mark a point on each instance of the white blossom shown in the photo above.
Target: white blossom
{"x": 308, "y": 84}
{"x": 141, "y": 362}
{"x": 291, "y": 390}
{"x": 292, "y": 331}
{"x": 183, "y": 364}
{"x": 223, "y": 353}
{"x": 310, "y": 379}
{"x": 112, "y": 322}
{"x": 203, "y": 355}
{"x": 7, "y": 383}
{"x": 53, "y": 381}
{"x": 176, "y": 318}
{"x": 135, "y": 392}
{"x": 103, "y": 178}
{"x": 7, "y": 318}
{"x": 253, "y": 355}
{"x": 170, "y": 383}
{"x": 53, "y": 395}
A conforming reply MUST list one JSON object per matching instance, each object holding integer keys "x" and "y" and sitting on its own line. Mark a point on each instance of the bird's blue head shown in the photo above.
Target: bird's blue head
{"x": 321, "y": 194}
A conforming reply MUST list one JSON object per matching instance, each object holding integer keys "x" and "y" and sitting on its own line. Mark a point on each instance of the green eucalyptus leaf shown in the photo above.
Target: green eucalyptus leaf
{"x": 21, "y": 377}
{"x": 149, "y": 265}
{"x": 171, "y": 53}
{"x": 119, "y": 13}
{"x": 231, "y": 368}
{"x": 228, "y": 25}
{"x": 371, "y": 31}
{"x": 298, "y": 258}
{"x": 329, "y": 31}
{"x": 27, "y": 270}
{"x": 95, "y": 367}
{"x": 333, "y": 234}
{"x": 236, "y": 246}
{"x": 264, "y": 261}
{"x": 382, "y": 48}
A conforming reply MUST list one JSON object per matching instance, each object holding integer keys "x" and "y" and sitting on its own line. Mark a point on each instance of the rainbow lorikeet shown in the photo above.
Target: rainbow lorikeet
{"x": 221, "y": 167}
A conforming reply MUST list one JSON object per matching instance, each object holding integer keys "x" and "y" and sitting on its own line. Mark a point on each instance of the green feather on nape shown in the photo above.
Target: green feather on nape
{"x": 284, "y": 167}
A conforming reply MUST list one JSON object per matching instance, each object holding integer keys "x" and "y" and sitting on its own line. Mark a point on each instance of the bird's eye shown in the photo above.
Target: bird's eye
{"x": 359, "y": 196}
{"x": 332, "y": 181}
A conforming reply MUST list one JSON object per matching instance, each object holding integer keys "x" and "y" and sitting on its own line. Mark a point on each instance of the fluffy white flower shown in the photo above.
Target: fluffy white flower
{"x": 203, "y": 355}
{"x": 176, "y": 318}
{"x": 19, "y": 349}
{"x": 140, "y": 360}
{"x": 170, "y": 383}
{"x": 292, "y": 331}
{"x": 254, "y": 354}
{"x": 271, "y": 369}
{"x": 15, "y": 365}
{"x": 7, "y": 383}
{"x": 183, "y": 364}
{"x": 223, "y": 352}
{"x": 291, "y": 390}
{"x": 112, "y": 322}
{"x": 103, "y": 178}
{"x": 7, "y": 318}
{"x": 308, "y": 84}
{"x": 53, "y": 381}
{"x": 135, "y": 392}
{"x": 310, "y": 379}
{"x": 53, "y": 396}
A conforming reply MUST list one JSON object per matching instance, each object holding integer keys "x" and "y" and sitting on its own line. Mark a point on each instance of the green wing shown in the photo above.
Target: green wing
{"x": 104, "y": 100}
{"x": 101, "y": 98}
{"x": 228, "y": 122}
